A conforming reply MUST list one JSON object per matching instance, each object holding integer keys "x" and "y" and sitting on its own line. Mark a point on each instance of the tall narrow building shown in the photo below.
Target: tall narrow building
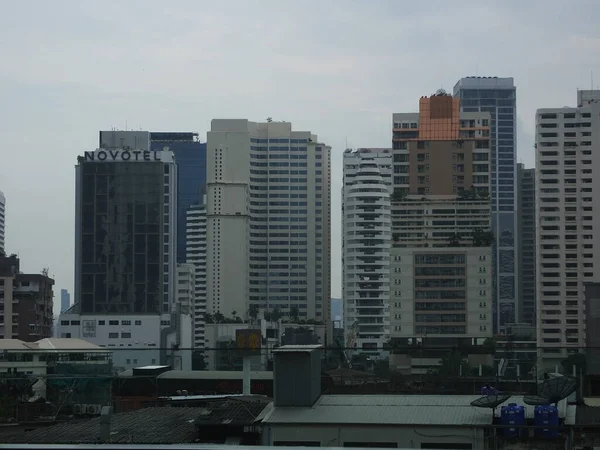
{"x": 567, "y": 218}
{"x": 2, "y": 221}
{"x": 190, "y": 157}
{"x": 366, "y": 238}
{"x": 196, "y": 255}
{"x": 441, "y": 253}
{"x": 526, "y": 233}
{"x": 497, "y": 96}
{"x": 269, "y": 223}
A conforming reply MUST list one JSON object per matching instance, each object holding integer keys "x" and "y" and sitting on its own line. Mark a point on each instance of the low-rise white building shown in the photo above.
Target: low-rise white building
{"x": 136, "y": 340}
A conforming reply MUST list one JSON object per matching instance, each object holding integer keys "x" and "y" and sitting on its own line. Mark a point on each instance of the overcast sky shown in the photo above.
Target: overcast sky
{"x": 336, "y": 68}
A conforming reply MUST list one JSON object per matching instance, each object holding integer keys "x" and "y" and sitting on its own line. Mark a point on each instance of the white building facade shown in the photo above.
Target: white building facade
{"x": 269, "y": 221}
{"x": 196, "y": 256}
{"x": 135, "y": 340}
{"x": 366, "y": 242}
{"x": 567, "y": 215}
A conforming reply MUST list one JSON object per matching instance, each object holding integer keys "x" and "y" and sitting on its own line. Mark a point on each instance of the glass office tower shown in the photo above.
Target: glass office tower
{"x": 125, "y": 232}
{"x": 498, "y": 97}
{"x": 190, "y": 156}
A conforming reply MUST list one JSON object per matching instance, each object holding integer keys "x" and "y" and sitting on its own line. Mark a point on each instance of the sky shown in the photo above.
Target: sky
{"x": 338, "y": 68}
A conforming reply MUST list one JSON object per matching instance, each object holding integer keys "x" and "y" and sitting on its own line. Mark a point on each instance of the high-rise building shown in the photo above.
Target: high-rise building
{"x": 186, "y": 288}
{"x": 125, "y": 254}
{"x": 190, "y": 157}
{"x": 26, "y": 302}
{"x": 196, "y": 255}
{"x": 526, "y": 237}
{"x": 366, "y": 238}
{"x": 2, "y": 221}
{"x": 497, "y": 96}
{"x": 441, "y": 231}
{"x": 567, "y": 218}
{"x": 125, "y": 232}
{"x": 268, "y": 209}
{"x": 65, "y": 300}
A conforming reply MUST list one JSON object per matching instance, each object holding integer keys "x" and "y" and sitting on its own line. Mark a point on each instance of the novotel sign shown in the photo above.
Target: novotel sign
{"x": 123, "y": 155}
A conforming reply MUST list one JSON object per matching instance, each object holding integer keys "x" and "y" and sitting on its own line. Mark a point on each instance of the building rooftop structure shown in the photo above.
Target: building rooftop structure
{"x": 425, "y": 410}
{"x": 50, "y": 344}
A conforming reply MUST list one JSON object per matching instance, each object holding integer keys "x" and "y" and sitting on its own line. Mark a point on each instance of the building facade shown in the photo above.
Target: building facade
{"x": 135, "y": 340}
{"x": 65, "y": 300}
{"x": 26, "y": 302}
{"x": 190, "y": 157}
{"x": 526, "y": 233}
{"x": 441, "y": 260}
{"x": 366, "y": 239}
{"x": 196, "y": 256}
{"x": 186, "y": 288}
{"x": 125, "y": 252}
{"x": 2, "y": 222}
{"x": 497, "y": 96}
{"x": 567, "y": 217}
{"x": 126, "y": 232}
{"x": 269, "y": 224}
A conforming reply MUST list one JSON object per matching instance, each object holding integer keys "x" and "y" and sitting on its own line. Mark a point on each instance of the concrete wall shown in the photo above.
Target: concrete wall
{"x": 405, "y": 437}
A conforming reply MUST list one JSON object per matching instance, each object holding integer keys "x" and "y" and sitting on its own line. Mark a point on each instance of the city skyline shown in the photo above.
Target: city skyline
{"x": 556, "y": 61}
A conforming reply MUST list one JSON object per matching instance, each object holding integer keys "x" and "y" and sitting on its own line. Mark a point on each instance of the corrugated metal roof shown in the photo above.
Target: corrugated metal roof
{"x": 297, "y": 348}
{"x": 398, "y": 410}
{"x": 213, "y": 375}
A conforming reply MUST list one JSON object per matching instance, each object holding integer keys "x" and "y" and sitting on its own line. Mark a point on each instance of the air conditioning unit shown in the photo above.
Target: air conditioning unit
{"x": 79, "y": 410}
{"x": 93, "y": 410}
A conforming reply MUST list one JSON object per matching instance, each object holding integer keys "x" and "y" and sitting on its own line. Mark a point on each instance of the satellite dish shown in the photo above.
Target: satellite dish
{"x": 552, "y": 390}
{"x": 555, "y": 389}
{"x": 535, "y": 400}
{"x": 490, "y": 401}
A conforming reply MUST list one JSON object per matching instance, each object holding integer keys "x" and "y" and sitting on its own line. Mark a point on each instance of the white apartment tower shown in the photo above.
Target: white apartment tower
{"x": 2, "y": 220}
{"x": 366, "y": 239}
{"x": 567, "y": 214}
{"x": 441, "y": 256}
{"x": 196, "y": 255}
{"x": 268, "y": 215}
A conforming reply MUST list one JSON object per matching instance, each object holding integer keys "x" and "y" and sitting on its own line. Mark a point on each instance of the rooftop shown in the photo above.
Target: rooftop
{"x": 437, "y": 410}
{"x": 144, "y": 426}
{"x": 297, "y": 348}
{"x": 213, "y": 374}
{"x": 49, "y": 344}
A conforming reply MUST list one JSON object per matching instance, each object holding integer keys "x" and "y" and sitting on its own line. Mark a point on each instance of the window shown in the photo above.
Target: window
{"x": 113, "y": 322}
{"x": 125, "y": 335}
{"x": 138, "y": 322}
{"x": 125, "y": 322}
{"x": 297, "y": 443}
{"x": 113, "y": 335}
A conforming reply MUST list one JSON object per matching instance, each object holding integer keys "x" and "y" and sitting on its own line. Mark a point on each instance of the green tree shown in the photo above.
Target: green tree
{"x": 294, "y": 314}
{"x": 454, "y": 240}
{"x": 219, "y": 318}
{"x": 253, "y": 312}
{"x": 208, "y": 318}
{"x": 276, "y": 314}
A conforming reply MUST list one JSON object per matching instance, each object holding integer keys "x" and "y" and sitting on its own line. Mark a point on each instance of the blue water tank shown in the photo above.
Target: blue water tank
{"x": 513, "y": 417}
{"x": 546, "y": 416}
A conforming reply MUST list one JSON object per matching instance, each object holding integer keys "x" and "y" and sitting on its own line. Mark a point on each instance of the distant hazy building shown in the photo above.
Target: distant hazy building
{"x": 568, "y": 218}
{"x": 65, "y": 300}
{"x": 26, "y": 302}
{"x": 337, "y": 312}
{"x": 366, "y": 238}
{"x": 196, "y": 256}
{"x": 441, "y": 257}
{"x": 498, "y": 97}
{"x": 2, "y": 221}
{"x": 526, "y": 232}
{"x": 269, "y": 223}
{"x": 186, "y": 288}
